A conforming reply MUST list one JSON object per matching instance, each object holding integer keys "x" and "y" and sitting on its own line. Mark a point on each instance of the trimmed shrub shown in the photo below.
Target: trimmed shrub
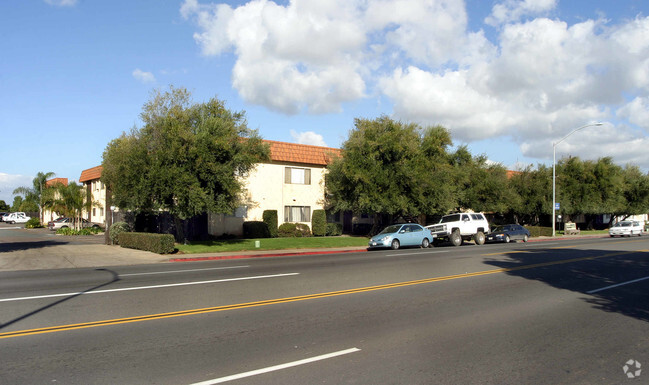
{"x": 255, "y": 229}
{"x": 538, "y": 231}
{"x": 117, "y": 228}
{"x": 334, "y": 229}
{"x": 270, "y": 218}
{"x": 33, "y": 223}
{"x": 66, "y": 231}
{"x": 156, "y": 243}
{"x": 84, "y": 231}
{"x": 294, "y": 230}
{"x": 319, "y": 223}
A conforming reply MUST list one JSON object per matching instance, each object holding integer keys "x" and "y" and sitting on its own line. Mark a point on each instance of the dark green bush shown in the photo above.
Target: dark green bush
{"x": 294, "y": 230}
{"x": 116, "y": 229}
{"x": 538, "y": 231}
{"x": 33, "y": 223}
{"x": 270, "y": 218}
{"x": 157, "y": 243}
{"x": 334, "y": 229}
{"x": 255, "y": 229}
{"x": 319, "y": 223}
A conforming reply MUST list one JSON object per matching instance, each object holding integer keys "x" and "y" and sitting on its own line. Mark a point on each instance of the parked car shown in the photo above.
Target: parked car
{"x": 457, "y": 228}
{"x": 508, "y": 233}
{"x": 63, "y": 223}
{"x": 625, "y": 229}
{"x": 17, "y": 217}
{"x": 404, "y": 234}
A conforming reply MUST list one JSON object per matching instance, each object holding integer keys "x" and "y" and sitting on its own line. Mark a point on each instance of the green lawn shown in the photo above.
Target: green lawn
{"x": 270, "y": 244}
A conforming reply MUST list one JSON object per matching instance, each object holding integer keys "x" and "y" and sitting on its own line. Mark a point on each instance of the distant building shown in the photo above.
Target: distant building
{"x": 292, "y": 183}
{"x": 96, "y": 190}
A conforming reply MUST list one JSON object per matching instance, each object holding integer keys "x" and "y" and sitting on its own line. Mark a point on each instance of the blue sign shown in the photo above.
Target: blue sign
{"x": 556, "y": 206}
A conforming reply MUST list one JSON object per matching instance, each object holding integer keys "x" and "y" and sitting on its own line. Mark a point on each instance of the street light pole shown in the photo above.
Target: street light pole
{"x": 554, "y": 165}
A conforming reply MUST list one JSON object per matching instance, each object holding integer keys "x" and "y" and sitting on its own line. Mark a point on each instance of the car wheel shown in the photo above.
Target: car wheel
{"x": 64, "y": 227}
{"x": 395, "y": 244}
{"x": 456, "y": 238}
{"x": 425, "y": 243}
{"x": 507, "y": 239}
{"x": 525, "y": 238}
{"x": 479, "y": 238}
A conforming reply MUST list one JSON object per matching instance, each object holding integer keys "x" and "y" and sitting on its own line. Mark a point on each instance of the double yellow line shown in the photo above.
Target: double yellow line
{"x": 150, "y": 317}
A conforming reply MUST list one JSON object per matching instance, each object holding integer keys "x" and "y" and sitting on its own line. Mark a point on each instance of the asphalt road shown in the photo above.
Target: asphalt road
{"x": 533, "y": 313}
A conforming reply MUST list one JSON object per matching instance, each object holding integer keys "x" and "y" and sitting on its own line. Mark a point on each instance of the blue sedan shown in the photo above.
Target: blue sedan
{"x": 406, "y": 234}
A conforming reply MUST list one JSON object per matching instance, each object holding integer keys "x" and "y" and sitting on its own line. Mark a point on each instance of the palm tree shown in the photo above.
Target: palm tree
{"x": 71, "y": 200}
{"x": 35, "y": 194}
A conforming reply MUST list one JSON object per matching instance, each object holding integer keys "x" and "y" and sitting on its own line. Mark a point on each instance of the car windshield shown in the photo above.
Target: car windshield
{"x": 390, "y": 229}
{"x": 622, "y": 224}
{"x": 498, "y": 229}
{"x": 450, "y": 218}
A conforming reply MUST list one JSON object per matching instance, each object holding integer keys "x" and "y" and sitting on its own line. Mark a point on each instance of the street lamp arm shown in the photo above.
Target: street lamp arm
{"x": 575, "y": 130}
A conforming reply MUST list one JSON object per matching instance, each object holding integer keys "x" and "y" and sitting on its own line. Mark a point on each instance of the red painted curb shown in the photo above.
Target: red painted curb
{"x": 263, "y": 255}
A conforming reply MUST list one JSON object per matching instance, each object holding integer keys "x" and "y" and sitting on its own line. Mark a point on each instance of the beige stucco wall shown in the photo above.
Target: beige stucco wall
{"x": 98, "y": 209}
{"x": 266, "y": 190}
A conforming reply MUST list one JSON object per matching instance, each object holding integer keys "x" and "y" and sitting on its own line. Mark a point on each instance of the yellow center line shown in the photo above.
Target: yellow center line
{"x": 150, "y": 317}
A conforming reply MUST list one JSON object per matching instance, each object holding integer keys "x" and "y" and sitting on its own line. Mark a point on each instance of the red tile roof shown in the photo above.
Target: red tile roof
{"x": 279, "y": 152}
{"x": 511, "y": 173}
{"x": 91, "y": 174}
{"x": 301, "y": 153}
{"x": 52, "y": 182}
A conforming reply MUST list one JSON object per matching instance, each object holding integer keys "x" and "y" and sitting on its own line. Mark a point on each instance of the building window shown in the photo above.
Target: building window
{"x": 101, "y": 211}
{"x": 94, "y": 211}
{"x": 297, "y": 214}
{"x": 297, "y": 175}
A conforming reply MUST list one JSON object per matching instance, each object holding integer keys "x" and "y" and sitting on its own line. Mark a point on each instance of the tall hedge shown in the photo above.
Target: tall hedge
{"x": 157, "y": 243}
{"x": 270, "y": 218}
{"x": 319, "y": 223}
{"x": 255, "y": 229}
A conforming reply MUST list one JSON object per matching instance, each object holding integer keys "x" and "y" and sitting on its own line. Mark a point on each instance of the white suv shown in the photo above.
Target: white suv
{"x": 461, "y": 227}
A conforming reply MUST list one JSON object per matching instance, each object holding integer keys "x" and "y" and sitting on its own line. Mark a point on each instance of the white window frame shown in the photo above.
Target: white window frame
{"x": 297, "y": 214}
{"x": 295, "y": 175}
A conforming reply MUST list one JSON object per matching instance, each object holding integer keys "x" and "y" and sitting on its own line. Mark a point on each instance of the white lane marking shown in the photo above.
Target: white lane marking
{"x": 418, "y": 253}
{"x": 619, "y": 284}
{"x": 147, "y": 287}
{"x": 184, "y": 271}
{"x": 277, "y": 367}
{"x": 10, "y": 228}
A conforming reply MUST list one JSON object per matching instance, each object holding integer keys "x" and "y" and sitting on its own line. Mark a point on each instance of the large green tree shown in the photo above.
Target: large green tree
{"x": 186, "y": 159}
{"x": 480, "y": 185}
{"x": 390, "y": 167}
{"x": 533, "y": 194}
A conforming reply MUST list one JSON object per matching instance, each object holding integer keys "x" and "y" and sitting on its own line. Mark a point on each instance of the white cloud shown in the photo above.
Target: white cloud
{"x": 532, "y": 82}
{"x": 142, "y": 76}
{"x": 636, "y": 112}
{"x": 513, "y": 10}
{"x": 62, "y": 3}
{"x": 308, "y": 137}
{"x": 9, "y": 182}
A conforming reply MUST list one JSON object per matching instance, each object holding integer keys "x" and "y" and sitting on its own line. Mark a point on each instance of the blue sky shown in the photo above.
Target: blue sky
{"x": 507, "y": 78}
